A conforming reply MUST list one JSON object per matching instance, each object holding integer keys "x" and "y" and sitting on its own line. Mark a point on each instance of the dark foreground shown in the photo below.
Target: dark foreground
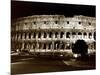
{"x": 30, "y": 64}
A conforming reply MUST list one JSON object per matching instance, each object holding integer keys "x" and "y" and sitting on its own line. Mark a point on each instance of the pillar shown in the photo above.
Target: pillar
{"x": 27, "y": 37}
{"x": 53, "y": 35}
{"x": 41, "y": 35}
{"x": 23, "y": 36}
{"x": 87, "y": 35}
{"x": 22, "y": 46}
{"x": 36, "y": 35}
{"x": 58, "y": 35}
{"x": 47, "y": 46}
{"x": 31, "y": 35}
{"x": 92, "y": 35}
{"x": 70, "y": 35}
{"x": 27, "y": 46}
{"x": 31, "y": 46}
{"x": 52, "y": 46}
{"x": 64, "y": 35}
{"x": 19, "y": 36}
{"x": 47, "y": 35}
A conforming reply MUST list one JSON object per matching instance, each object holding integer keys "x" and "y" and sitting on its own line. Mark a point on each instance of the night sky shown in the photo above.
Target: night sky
{"x": 22, "y": 8}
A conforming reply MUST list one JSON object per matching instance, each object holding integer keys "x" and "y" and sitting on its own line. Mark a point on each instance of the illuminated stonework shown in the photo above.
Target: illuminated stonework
{"x": 52, "y": 33}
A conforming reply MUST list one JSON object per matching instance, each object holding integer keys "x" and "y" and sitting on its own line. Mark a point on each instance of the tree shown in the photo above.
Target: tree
{"x": 80, "y": 47}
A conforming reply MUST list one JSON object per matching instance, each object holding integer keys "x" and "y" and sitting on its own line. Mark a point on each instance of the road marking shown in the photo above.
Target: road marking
{"x": 27, "y": 59}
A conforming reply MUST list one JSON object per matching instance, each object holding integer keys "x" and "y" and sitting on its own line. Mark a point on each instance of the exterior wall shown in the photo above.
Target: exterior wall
{"x": 52, "y": 33}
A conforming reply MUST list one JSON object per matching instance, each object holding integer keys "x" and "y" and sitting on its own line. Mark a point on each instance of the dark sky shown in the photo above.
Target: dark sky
{"x": 22, "y": 8}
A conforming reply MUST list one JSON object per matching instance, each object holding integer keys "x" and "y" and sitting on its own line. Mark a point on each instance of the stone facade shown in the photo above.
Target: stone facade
{"x": 52, "y": 33}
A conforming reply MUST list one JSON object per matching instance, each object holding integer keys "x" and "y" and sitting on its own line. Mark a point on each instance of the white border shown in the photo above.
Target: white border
{"x": 5, "y": 37}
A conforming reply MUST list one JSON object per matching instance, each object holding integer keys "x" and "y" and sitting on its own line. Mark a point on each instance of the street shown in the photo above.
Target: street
{"x": 29, "y": 64}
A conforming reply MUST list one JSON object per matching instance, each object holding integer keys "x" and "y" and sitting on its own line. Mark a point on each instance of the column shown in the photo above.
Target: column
{"x": 42, "y": 46}
{"x": 36, "y": 35}
{"x": 37, "y": 46}
{"x": 47, "y": 46}
{"x": 31, "y": 35}
{"x": 70, "y": 35}
{"x": 22, "y": 46}
{"x": 27, "y": 46}
{"x": 23, "y": 36}
{"x": 64, "y": 35}
{"x": 53, "y": 34}
{"x": 18, "y": 36}
{"x": 27, "y": 36}
{"x": 34, "y": 46}
{"x": 87, "y": 36}
{"x": 58, "y": 35}
{"x": 41, "y": 35}
{"x": 92, "y": 36}
{"x": 31, "y": 46}
{"x": 52, "y": 45}
{"x": 47, "y": 35}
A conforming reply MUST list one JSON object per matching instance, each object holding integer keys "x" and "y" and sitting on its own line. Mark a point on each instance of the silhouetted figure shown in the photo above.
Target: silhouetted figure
{"x": 80, "y": 47}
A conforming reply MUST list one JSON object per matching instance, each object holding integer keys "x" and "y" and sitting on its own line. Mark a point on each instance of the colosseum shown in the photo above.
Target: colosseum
{"x": 50, "y": 34}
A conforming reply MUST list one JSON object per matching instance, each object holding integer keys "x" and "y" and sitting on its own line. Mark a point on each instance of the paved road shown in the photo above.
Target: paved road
{"x": 24, "y": 65}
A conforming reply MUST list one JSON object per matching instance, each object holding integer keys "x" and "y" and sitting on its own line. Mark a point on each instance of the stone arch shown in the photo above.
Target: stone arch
{"x": 84, "y": 34}
{"x": 44, "y": 46}
{"x": 39, "y": 35}
{"x": 29, "y": 35}
{"x": 61, "y": 34}
{"x": 79, "y": 33}
{"x": 56, "y": 34}
{"x": 49, "y": 45}
{"x": 34, "y": 35}
{"x": 90, "y": 34}
{"x": 68, "y": 35}
{"x": 73, "y": 34}
{"x": 45, "y": 35}
{"x": 50, "y": 34}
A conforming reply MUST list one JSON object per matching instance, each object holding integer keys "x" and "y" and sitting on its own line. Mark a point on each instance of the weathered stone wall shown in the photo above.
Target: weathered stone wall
{"x": 52, "y": 32}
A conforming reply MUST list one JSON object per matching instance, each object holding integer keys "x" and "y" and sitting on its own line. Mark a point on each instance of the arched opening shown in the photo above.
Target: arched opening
{"x": 73, "y": 34}
{"x": 44, "y": 47}
{"x": 50, "y": 34}
{"x": 40, "y": 45}
{"x": 39, "y": 35}
{"x": 56, "y": 45}
{"x": 45, "y": 35}
{"x": 79, "y": 34}
{"x": 90, "y": 35}
{"x": 56, "y": 34}
{"x": 34, "y": 36}
{"x": 68, "y": 35}
{"x": 61, "y": 34}
{"x": 49, "y": 46}
{"x": 21, "y": 36}
{"x": 29, "y": 35}
{"x": 85, "y": 34}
